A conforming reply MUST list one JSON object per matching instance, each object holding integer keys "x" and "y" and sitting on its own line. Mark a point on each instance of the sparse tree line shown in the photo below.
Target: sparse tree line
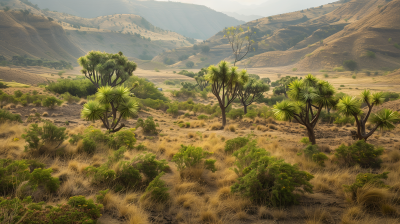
{"x": 25, "y": 61}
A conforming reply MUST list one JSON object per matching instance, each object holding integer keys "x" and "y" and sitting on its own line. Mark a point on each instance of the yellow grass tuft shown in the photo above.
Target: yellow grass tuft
{"x": 215, "y": 126}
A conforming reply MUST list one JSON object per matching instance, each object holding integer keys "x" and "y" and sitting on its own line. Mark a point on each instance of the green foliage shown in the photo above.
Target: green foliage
{"x": 89, "y": 145}
{"x": 155, "y": 104}
{"x": 18, "y": 93}
{"x": 78, "y": 87}
{"x": 267, "y": 180}
{"x": 110, "y": 106}
{"x": 251, "y": 114}
{"x": 235, "y": 114}
{"x": 344, "y": 120}
{"x": 100, "y": 196}
{"x": 69, "y": 98}
{"x": 305, "y": 141}
{"x": 168, "y": 61}
{"x": 235, "y": 144}
{"x": 74, "y": 138}
{"x": 6, "y": 115}
{"x": 77, "y": 210}
{"x": 128, "y": 176}
{"x": 157, "y": 190}
{"x": 367, "y": 178}
{"x": 205, "y": 49}
{"x": 311, "y": 152}
{"x": 202, "y": 117}
{"x": 3, "y": 86}
{"x": 370, "y": 54}
{"x": 100, "y": 175}
{"x": 12, "y": 173}
{"x": 145, "y": 89}
{"x": 148, "y": 126}
{"x": 190, "y": 156}
{"x": 360, "y": 153}
{"x": 42, "y": 177}
{"x": 124, "y": 138}
{"x": 149, "y": 166}
{"x": 396, "y": 45}
{"x": 51, "y": 102}
{"x": 110, "y": 69}
{"x": 183, "y": 57}
{"x": 38, "y": 138}
{"x": 173, "y": 109}
{"x": 350, "y": 64}
{"x": 338, "y": 69}
{"x": 189, "y": 64}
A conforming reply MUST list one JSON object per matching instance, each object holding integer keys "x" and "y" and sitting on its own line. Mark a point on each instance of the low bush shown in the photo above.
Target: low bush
{"x": 70, "y": 98}
{"x": 51, "y": 102}
{"x": 251, "y": 114}
{"x": 366, "y": 178}
{"x": 311, "y": 152}
{"x": 235, "y": 144}
{"x": 202, "y": 117}
{"x": 155, "y": 104}
{"x": 145, "y": 89}
{"x": 359, "y": 153}
{"x": 173, "y": 110}
{"x": 267, "y": 180}
{"x": 190, "y": 156}
{"x": 370, "y": 54}
{"x": 123, "y": 138}
{"x": 350, "y": 64}
{"x": 42, "y": 177}
{"x": 3, "y": 86}
{"x": 76, "y": 210}
{"x": 78, "y": 87}
{"x": 148, "y": 126}
{"x": 149, "y": 166}
{"x": 6, "y": 115}
{"x": 344, "y": 120}
{"x": 338, "y": 69}
{"x": 157, "y": 190}
{"x": 235, "y": 114}
{"x": 40, "y": 139}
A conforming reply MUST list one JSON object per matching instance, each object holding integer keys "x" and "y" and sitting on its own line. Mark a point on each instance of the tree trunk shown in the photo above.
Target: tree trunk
{"x": 245, "y": 109}
{"x": 223, "y": 116}
{"x": 311, "y": 135}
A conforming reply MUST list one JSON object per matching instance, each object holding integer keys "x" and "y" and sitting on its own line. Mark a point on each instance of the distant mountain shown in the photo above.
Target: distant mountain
{"x": 190, "y": 20}
{"x": 246, "y": 18}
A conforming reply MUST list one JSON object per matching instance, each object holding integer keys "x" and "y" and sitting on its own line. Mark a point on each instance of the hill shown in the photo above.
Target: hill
{"x": 34, "y": 36}
{"x": 191, "y": 20}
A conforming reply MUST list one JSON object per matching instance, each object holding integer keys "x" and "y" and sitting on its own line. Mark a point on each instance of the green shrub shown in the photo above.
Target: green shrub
{"x": 124, "y": 138}
{"x": 51, "y": 102}
{"x": 397, "y": 46}
{"x": 39, "y": 138}
{"x": 370, "y": 54}
{"x": 6, "y": 115}
{"x": 338, "y": 69}
{"x": 141, "y": 147}
{"x": 202, "y": 117}
{"x": 79, "y": 87}
{"x": 294, "y": 69}
{"x": 350, "y": 64}
{"x": 368, "y": 73}
{"x": 42, "y": 177}
{"x": 100, "y": 175}
{"x": 70, "y": 98}
{"x": 12, "y": 173}
{"x": 74, "y": 138}
{"x": 148, "y": 126}
{"x": 344, "y": 120}
{"x": 189, "y": 64}
{"x": 168, "y": 61}
{"x": 173, "y": 110}
{"x": 354, "y": 76}
{"x": 305, "y": 141}
{"x": 3, "y": 86}
{"x": 145, "y": 89}
{"x": 267, "y": 180}
{"x": 149, "y": 166}
{"x": 326, "y": 75}
{"x": 359, "y": 153}
{"x": 367, "y": 178}
{"x": 311, "y": 152}
{"x": 157, "y": 190}
{"x": 89, "y": 145}
{"x": 190, "y": 156}
{"x": 155, "y": 104}
{"x": 235, "y": 144}
{"x": 18, "y": 93}
{"x": 235, "y": 114}
{"x": 251, "y": 114}
{"x": 127, "y": 175}
{"x": 77, "y": 210}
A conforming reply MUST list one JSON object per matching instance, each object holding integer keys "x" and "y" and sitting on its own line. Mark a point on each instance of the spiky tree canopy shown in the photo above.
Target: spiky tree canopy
{"x": 351, "y": 106}
{"x": 104, "y": 69}
{"x": 110, "y": 101}
{"x": 225, "y": 83}
{"x": 307, "y": 99}
{"x": 251, "y": 91}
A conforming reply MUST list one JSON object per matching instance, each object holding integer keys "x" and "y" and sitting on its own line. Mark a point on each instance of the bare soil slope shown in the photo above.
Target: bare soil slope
{"x": 34, "y": 36}
{"x": 16, "y": 75}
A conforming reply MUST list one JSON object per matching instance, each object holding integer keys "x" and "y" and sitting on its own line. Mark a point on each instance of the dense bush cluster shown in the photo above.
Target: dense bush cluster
{"x": 25, "y": 61}
{"x": 77, "y": 87}
{"x": 236, "y": 143}
{"x": 360, "y": 153}
{"x": 145, "y": 89}
{"x": 268, "y": 180}
{"x": 23, "y": 98}
{"x": 311, "y": 152}
{"x": 5, "y": 115}
{"x": 190, "y": 156}
{"x": 148, "y": 126}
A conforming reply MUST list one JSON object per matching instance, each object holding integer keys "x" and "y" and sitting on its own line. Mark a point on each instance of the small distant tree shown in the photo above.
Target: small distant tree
{"x": 201, "y": 80}
{"x": 266, "y": 80}
{"x": 307, "y": 99}
{"x": 110, "y": 106}
{"x": 205, "y": 49}
{"x": 190, "y": 64}
{"x": 225, "y": 84}
{"x": 351, "y": 106}
{"x": 240, "y": 41}
{"x": 251, "y": 91}
{"x": 350, "y": 64}
{"x": 104, "y": 69}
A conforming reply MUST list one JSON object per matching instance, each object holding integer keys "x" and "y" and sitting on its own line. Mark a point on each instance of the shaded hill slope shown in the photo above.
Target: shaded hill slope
{"x": 34, "y": 36}
{"x": 191, "y": 20}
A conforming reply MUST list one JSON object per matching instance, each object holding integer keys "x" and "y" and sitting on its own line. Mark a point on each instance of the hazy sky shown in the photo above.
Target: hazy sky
{"x": 257, "y": 7}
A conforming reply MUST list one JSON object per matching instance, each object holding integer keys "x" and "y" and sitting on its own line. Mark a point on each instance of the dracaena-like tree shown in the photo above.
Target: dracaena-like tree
{"x": 112, "y": 104}
{"x": 251, "y": 91}
{"x": 201, "y": 80}
{"x": 384, "y": 119}
{"x": 307, "y": 98}
{"x": 104, "y": 69}
{"x": 225, "y": 83}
